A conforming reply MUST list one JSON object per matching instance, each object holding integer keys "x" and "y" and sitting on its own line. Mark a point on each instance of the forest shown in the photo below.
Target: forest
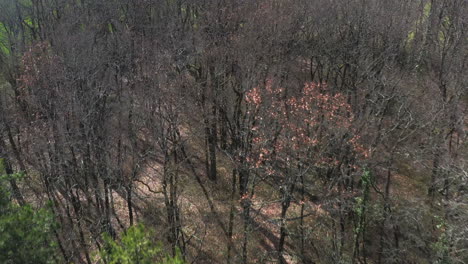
{"x": 233, "y": 131}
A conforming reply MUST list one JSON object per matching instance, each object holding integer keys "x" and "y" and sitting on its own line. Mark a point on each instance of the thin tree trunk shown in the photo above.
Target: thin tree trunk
{"x": 386, "y": 214}
{"x": 129, "y": 203}
{"x": 77, "y": 210}
{"x": 212, "y": 143}
{"x": 246, "y": 220}
{"x": 107, "y": 209}
{"x": 231, "y": 216}
{"x": 283, "y": 231}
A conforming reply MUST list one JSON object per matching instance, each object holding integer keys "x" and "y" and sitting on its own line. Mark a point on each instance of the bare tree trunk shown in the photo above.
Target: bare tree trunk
{"x": 246, "y": 220}
{"x": 107, "y": 209}
{"x": 245, "y": 203}
{"x": 78, "y": 213}
{"x": 386, "y": 215}
{"x": 231, "y": 216}
{"x": 288, "y": 191}
{"x": 211, "y": 141}
{"x": 434, "y": 175}
{"x": 129, "y": 203}
{"x": 283, "y": 232}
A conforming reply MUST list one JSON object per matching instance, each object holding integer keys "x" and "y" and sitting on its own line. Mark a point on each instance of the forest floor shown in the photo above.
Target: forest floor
{"x": 204, "y": 226}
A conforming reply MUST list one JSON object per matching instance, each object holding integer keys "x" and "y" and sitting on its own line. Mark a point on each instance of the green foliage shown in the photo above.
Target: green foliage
{"x": 4, "y": 50}
{"x": 421, "y": 21}
{"x": 361, "y": 206}
{"x": 427, "y": 10}
{"x": 25, "y": 236}
{"x": 361, "y": 202}
{"x": 442, "y": 246}
{"x": 25, "y": 232}
{"x": 136, "y": 246}
{"x": 5, "y": 195}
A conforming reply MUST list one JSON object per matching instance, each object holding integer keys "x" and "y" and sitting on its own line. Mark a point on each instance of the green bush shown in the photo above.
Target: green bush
{"x": 25, "y": 233}
{"x": 136, "y": 246}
